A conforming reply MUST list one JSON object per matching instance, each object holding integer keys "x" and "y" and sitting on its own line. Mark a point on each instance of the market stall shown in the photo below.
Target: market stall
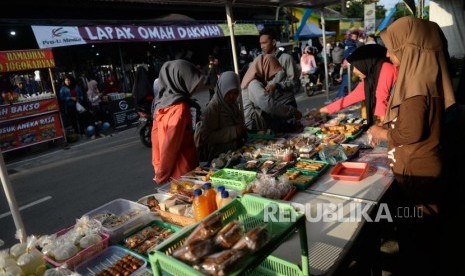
{"x": 130, "y": 228}
{"x": 30, "y": 116}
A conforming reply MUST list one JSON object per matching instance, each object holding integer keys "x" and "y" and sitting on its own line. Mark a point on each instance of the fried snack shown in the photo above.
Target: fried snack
{"x": 152, "y": 202}
{"x": 134, "y": 240}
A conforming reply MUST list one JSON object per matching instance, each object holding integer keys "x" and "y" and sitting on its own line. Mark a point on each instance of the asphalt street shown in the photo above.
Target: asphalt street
{"x": 55, "y": 186}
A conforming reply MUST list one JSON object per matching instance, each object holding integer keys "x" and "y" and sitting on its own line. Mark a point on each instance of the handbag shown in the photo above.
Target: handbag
{"x": 80, "y": 108}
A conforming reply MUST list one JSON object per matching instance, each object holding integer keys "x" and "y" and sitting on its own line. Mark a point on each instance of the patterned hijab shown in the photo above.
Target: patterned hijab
{"x": 421, "y": 49}
{"x": 369, "y": 59}
{"x": 228, "y": 81}
{"x": 178, "y": 80}
{"x": 92, "y": 89}
{"x": 263, "y": 69}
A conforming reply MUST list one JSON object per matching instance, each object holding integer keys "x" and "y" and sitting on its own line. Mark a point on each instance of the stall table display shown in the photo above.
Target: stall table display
{"x": 177, "y": 255}
{"x": 32, "y": 118}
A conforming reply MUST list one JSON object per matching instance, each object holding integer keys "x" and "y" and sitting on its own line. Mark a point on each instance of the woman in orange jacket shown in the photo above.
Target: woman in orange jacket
{"x": 173, "y": 148}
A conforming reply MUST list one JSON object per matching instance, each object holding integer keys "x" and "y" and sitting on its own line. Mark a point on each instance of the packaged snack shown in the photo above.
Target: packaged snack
{"x": 207, "y": 228}
{"x": 194, "y": 251}
{"x": 253, "y": 240}
{"x": 222, "y": 263}
{"x": 229, "y": 234}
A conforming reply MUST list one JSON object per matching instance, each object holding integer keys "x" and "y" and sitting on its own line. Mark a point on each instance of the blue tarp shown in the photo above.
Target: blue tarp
{"x": 311, "y": 30}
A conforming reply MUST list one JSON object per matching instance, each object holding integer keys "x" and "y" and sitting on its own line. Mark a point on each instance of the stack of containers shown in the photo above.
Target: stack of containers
{"x": 135, "y": 214}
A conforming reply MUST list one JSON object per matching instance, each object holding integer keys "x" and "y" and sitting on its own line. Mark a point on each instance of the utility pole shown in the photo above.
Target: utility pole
{"x": 421, "y": 4}
{"x": 343, "y": 7}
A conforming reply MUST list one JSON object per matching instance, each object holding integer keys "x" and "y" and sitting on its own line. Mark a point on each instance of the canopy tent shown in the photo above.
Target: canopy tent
{"x": 228, "y": 4}
{"x": 311, "y": 30}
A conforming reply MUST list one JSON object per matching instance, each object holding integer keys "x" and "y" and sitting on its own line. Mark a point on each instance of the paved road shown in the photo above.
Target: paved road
{"x": 54, "y": 186}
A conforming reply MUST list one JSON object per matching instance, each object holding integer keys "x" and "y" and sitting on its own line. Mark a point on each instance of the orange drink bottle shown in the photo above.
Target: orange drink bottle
{"x": 200, "y": 205}
{"x": 211, "y": 195}
{"x": 219, "y": 190}
{"x": 225, "y": 198}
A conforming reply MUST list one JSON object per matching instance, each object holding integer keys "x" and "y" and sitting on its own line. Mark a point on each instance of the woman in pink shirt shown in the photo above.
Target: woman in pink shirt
{"x": 378, "y": 76}
{"x": 307, "y": 61}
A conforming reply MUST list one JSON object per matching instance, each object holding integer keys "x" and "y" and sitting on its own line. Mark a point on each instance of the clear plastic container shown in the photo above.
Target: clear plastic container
{"x": 135, "y": 215}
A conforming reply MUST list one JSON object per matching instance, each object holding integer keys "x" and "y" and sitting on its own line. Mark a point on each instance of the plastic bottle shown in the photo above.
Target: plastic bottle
{"x": 225, "y": 198}
{"x": 211, "y": 195}
{"x": 200, "y": 205}
{"x": 220, "y": 189}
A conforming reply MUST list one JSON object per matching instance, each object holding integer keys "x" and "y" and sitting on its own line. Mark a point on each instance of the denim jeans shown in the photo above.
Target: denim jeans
{"x": 344, "y": 84}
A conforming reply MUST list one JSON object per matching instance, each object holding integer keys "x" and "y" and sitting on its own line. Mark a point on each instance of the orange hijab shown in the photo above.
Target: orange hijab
{"x": 421, "y": 49}
{"x": 263, "y": 68}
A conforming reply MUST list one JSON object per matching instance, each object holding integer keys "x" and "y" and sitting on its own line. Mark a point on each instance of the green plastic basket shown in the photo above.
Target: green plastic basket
{"x": 274, "y": 266}
{"x": 233, "y": 179}
{"x": 250, "y": 211}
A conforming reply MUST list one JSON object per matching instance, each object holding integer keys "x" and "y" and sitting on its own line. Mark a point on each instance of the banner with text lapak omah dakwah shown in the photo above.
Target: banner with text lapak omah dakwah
{"x": 58, "y": 36}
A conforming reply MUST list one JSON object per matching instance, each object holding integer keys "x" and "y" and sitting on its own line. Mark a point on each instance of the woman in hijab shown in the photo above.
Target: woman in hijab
{"x": 222, "y": 128}
{"x": 142, "y": 90}
{"x": 378, "y": 76}
{"x": 173, "y": 147}
{"x": 414, "y": 117}
{"x": 265, "y": 110}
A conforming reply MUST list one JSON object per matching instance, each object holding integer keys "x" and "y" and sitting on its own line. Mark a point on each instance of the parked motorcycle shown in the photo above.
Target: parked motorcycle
{"x": 310, "y": 83}
{"x": 145, "y": 128}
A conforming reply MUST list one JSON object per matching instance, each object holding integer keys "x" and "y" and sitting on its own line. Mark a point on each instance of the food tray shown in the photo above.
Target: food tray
{"x": 122, "y": 207}
{"x": 158, "y": 223}
{"x": 233, "y": 179}
{"x": 310, "y": 172}
{"x": 106, "y": 258}
{"x": 82, "y": 255}
{"x": 351, "y": 171}
{"x": 250, "y": 211}
{"x": 304, "y": 185}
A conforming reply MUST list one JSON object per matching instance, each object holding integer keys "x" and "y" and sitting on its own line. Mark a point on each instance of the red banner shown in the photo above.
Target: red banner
{"x": 26, "y": 109}
{"x": 23, "y": 133}
{"x": 11, "y": 61}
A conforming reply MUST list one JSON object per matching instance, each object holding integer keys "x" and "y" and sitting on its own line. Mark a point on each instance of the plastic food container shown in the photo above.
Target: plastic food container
{"x": 350, "y": 171}
{"x": 135, "y": 215}
{"x": 107, "y": 259}
{"x": 83, "y": 255}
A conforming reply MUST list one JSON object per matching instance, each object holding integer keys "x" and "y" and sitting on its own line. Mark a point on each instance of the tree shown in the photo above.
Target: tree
{"x": 355, "y": 8}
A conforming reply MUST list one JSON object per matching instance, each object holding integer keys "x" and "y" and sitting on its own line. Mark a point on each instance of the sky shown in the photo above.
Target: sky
{"x": 391, "y": 3}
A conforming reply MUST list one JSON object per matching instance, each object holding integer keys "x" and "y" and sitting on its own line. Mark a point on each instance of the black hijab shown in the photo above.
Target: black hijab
{"x": 369, "y": 59}
{"x": 177, "y": 81}
{"x": 142, "y": 88}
